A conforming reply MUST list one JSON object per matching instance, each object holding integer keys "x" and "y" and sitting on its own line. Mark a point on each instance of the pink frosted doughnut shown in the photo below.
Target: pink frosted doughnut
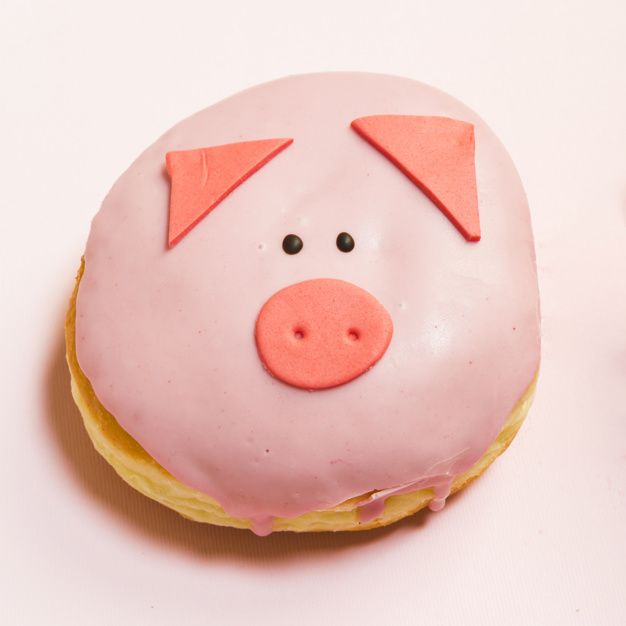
{"x": 280, "y": 375}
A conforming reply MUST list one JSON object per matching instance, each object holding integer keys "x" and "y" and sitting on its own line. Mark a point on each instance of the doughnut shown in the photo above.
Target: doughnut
{"x": 312, "y": 306}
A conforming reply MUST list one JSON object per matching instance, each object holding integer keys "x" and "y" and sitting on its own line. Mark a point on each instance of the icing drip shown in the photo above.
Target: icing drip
{"x": 442, "y": 491}
{"x": 262, "y": 525}
{"x": 370, "y": 510}
{"x": 373, "y": 507}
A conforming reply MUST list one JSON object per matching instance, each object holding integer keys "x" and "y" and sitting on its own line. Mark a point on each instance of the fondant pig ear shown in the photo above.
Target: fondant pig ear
{"x": 437, "y": 154}
{"x": 202, "y": 178}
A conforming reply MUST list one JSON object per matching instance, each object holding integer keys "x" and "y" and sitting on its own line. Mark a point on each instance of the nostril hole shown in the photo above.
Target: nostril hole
{"x": 353, "y": 334}
{"x": 298, "y": 333}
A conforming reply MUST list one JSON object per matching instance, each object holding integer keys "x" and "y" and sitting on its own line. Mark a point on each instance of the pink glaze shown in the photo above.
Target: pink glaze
{"x": 321, "y": 333}
{"x": 167, "y": 336}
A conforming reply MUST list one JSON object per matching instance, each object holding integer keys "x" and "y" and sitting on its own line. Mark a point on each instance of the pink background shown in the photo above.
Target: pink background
{"x": 540, "y": 539}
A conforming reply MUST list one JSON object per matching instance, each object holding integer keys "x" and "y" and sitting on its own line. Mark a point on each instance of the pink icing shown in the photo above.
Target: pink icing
{"x": 167, "y": 336}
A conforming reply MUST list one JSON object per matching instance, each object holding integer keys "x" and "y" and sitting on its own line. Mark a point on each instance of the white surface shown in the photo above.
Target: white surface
{"x": 540, "y": 539}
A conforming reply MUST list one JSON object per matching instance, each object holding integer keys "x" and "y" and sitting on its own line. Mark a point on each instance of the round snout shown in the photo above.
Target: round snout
{"x": 322, "y": 333}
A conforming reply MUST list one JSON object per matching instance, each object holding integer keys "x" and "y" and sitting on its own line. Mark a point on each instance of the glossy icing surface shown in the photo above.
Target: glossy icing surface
{"x": 166, "y": 337}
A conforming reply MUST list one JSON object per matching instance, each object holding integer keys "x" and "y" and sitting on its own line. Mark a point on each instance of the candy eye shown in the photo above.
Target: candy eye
{"x": 345, "y": 242}
{"x": 292, "y": 244}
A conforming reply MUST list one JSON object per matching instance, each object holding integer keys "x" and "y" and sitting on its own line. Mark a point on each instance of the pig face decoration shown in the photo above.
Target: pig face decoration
{"x": 322, "y": 333}
{"x": 319, "y": 288}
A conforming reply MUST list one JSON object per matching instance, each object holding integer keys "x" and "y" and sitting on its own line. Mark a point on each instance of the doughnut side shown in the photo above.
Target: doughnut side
{"x": 143, "y": 473}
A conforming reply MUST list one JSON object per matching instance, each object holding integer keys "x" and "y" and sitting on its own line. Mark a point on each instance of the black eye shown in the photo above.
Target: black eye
{"x": 345, "y": 242}
{"x": 292, "y": 244}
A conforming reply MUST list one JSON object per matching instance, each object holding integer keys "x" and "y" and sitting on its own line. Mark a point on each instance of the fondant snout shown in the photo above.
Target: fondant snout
{"x": 322, "y": 333}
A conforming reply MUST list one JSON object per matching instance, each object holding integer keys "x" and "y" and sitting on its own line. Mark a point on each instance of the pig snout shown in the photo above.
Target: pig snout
{"x": 321, "y": 333}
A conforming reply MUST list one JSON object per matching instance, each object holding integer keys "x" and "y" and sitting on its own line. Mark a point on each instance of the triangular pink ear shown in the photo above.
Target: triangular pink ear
{"x": 202, "y": 178}
{"x": 437, "y": 154}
